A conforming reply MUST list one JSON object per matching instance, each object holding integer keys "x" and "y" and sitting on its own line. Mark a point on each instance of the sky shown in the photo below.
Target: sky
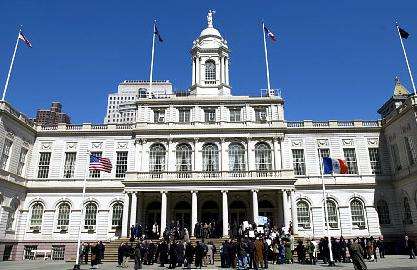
{"x": 332, "y": 59}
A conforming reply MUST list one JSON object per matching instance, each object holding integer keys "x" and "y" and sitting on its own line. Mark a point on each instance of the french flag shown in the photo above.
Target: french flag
{"x": 333, "y": 165}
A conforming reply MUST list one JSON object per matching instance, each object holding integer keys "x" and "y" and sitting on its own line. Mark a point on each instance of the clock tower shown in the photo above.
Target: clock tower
{"x": 210, "y": 57}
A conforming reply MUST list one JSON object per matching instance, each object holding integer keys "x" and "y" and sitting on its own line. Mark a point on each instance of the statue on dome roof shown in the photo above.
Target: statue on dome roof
{"x": 210, "y": 18}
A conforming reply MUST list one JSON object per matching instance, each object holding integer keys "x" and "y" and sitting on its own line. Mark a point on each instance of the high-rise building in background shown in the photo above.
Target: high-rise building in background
{"x": 52, "y": 116}
{"x": 121, "y": 105}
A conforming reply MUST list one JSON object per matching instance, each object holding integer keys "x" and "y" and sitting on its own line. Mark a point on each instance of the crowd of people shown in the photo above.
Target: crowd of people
{"x": 251, "y": 247}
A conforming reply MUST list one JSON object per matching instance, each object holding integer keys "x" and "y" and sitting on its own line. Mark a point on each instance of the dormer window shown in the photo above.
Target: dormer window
{"x": 210, "y": 72}
{"x": 260, "y": 115}
{"x": 159, "y": 116}
{"x": 210, "y": 115}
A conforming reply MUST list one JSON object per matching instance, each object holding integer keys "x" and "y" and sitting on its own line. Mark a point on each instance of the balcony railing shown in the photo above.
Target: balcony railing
{"x": 209, "y": 175}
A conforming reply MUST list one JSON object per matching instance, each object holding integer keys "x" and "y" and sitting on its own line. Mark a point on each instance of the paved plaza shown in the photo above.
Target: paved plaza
{"x": 390, "y": 262}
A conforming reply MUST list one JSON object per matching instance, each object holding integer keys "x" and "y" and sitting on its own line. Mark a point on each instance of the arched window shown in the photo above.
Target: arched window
{"x": 332, "y": 214}
{"x": 263, "y": 159}
{"x": 237, "y": 155}
{"x": 63, "y": 215}
{"x": 157, "y": 158}
{"x": 358, "y": 214}
{"x": 14, "y": 204}
{"x": 36, "y": 217}
{"x": 407, "y": 211}
{"x": 183, "y": 153}
{"x": 303, "y": 214}
{"x": 210, "y": 66}
{"x": 210, "y": 158}
{"x": 383, "y": 212}
{"x": 116, "y": 220}
{"x": 90, "y": 219}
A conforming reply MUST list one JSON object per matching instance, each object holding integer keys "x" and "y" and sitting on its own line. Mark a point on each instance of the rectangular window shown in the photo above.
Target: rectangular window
{"x": 260, "y": 115}
{"x": 5, "y": 154}
{"x": 95, "y": 173}
{"x": 411, "y": 151}
{"x": 350, "y": 157}
{"x": 28, "y": 252}
{"x": 121, "y": 164}
{"x": 184, "y": 115}
{"x": 44, "y": 160}
{"x": 69, "y": 166}
{"x": 210, "y": 116}
{"x": 298, "y": 161}
{"x": 324, "y": 152}
{"x": 396, "y": 157}
{"x": 159, "y": 116}
{"x": 374, "y": 159}
{"x": 22, "y": 161}
{"x": 235, "y": 115}
{"x": 58, "y": 252}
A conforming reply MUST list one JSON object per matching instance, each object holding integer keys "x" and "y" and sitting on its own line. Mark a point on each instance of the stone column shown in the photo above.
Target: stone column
{"x": 294, "y": 212}
{"x": 138, "y": 161}
{"x": 224, "y": 165}
{"x": 193, "y": 77}
{"x": 198, "y": 68}
{"x": 133, "y": 209}
{"x": 193, "y": 211}
{"x": 285, "y": 210}
{"x": 277, "y": 154}
{"x": 125, "y": 222}
{"x": 227, "y": 71}
{"x": 225, "y": 215}
{"x": 255, "y": 205}
{"x": 171, "y": 162}
{"x": 163, "y": 212}
{"x": 221, "y": 69}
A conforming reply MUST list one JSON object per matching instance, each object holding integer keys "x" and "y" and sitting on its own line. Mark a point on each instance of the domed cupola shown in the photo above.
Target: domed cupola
{"x": 210, "y": 56}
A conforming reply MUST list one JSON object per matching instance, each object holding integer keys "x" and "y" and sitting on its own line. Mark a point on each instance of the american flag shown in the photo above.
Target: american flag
{"x": 100, "y": 163}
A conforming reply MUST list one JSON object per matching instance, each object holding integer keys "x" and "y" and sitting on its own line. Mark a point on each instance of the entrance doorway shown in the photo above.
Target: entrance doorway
{"x": 238, "y": 212}
{"x": 266, "y": 209}
{"x": 7, "y": 252}
{"x": 152, "y": 215}
{"x": 210, "y": 212}
{"x": 182, "y": 214}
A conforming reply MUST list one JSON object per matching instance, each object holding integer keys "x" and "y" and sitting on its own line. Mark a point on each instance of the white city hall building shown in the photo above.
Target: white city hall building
{"x": 207, "y": 155}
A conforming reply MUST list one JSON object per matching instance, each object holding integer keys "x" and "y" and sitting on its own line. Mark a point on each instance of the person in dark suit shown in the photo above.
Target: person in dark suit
{"x": 138, "y": 256}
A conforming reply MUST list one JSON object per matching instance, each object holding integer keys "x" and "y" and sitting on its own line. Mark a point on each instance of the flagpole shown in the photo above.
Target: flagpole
{"x": 266, "y": 58}
{"x": 326, "y": 218}
{"x": 153, "y": 51}
{"x": 77, "y": 260}
{"x": 406, "y": 58}
{"x": 11, "y": 66}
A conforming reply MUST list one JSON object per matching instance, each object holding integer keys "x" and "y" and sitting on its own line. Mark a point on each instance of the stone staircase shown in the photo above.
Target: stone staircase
{"x": 110, "y": 253}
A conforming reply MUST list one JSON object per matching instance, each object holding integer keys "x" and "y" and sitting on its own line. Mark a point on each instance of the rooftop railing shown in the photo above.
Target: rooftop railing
{"x": 333, "y": 124}
{"x": 218, "y": 124}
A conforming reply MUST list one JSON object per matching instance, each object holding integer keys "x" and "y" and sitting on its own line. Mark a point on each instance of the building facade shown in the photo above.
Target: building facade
{"x": 207, "y": 155}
